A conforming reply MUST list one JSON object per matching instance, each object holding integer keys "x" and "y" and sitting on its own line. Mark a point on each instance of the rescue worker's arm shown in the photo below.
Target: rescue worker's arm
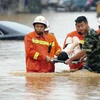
{"x": 83, "y": 58}
{"x": 77, "y": 56}
{"x": 31, "y": 52}
{"x": 57, "y": 48}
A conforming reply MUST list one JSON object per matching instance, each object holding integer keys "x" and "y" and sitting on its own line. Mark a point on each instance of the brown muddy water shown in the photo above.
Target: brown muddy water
{"x": 21, "y": 86}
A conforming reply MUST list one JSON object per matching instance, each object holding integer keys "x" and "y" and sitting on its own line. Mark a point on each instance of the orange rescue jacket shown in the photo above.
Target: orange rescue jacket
{"x": 55, "y": 48}
{"x": 36, "y": 49}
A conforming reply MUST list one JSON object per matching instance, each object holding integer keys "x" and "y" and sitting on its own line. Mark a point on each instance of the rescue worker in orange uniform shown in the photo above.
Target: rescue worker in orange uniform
{"x": 55, "y": 48}
{"x": 76, "y": 33}
{"x": 36, "y": 48}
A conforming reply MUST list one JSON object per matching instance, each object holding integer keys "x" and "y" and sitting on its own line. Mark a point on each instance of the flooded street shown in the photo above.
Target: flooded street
{"x": 44, "y": 87}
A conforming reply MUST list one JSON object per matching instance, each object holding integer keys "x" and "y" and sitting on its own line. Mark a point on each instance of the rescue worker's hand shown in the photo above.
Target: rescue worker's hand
{"x": 68, "y": 61}
{"x": 48, "y": 59}
{"x": 52, "y": 60}
{"x": 82, "y": 58}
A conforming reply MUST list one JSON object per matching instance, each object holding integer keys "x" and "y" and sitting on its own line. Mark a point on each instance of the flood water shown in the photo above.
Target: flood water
{"x": 46, "y": 87}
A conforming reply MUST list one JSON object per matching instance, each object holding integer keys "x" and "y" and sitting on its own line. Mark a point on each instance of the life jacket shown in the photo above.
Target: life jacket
{"x": 55, "y": 49}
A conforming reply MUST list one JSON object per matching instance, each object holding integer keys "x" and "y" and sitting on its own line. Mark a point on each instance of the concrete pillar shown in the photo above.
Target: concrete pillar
{"x": 21, "y": 5}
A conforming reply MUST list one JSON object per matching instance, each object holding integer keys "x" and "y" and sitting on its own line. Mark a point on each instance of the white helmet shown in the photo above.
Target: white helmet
{"x": 98, "y": 21}
{"x": 41, "y": 20}
{"x": 48, "y": 27}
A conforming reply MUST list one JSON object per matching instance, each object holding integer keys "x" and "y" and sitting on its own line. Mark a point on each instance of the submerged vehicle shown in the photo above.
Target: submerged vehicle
{"x": 13, "y": 30}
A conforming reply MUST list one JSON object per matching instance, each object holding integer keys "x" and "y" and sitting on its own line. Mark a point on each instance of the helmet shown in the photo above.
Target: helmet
{"x": 41, "y": 20}
{"x": 98, "y": 21}
{"x": 62, "y": 56}
{"x": 48, "y": 27}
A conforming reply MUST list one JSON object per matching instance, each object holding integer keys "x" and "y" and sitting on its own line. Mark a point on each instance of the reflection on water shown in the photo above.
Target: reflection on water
{"x": 62, "y": 88}
{"x": 12, "y": 59}
{"x": 87, "y": 88}
{"x": 38, "y": 87}
{"x": 49, "y": 88}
